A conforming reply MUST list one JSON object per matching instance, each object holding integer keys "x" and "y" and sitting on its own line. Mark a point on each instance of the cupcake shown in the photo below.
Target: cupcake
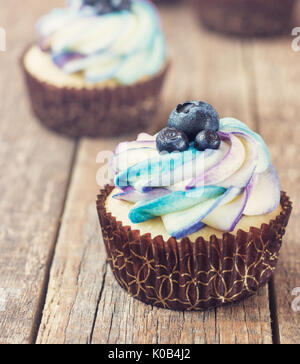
{"x": 195, "y": 217}
{"x": 98, "y": 67}
{"x": 246, "y": 17}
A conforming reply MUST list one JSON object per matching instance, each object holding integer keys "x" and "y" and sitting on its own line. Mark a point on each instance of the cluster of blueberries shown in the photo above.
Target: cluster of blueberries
{"x": 193, "y": 121}
{"x": 109, "y": 6}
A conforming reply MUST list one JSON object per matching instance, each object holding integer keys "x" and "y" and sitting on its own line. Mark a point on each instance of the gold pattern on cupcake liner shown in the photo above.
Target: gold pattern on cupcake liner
{"x": 189, "y": 275}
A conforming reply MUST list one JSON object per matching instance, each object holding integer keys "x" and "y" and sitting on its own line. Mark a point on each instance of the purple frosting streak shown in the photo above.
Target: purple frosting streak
{"x": 62, "y": 59}
{"x": 205, "y": 176}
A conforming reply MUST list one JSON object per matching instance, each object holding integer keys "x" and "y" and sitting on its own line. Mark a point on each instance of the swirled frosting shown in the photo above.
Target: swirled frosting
{"x": 125, "y": 45}
{"x": 192, "y": 189}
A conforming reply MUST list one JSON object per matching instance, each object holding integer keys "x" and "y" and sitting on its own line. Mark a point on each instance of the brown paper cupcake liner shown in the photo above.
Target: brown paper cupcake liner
{"x": 246, "y": 17}
{"x": 184, "y": 275}
{"x": 95, "y": 112}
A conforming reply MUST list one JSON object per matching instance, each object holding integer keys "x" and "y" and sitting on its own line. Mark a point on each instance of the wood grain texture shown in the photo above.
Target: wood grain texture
{"x": 277, "y": 90}
{"x": 35, "y": 167}
{"x": 79, "y": 267}
{"x": 84, "y": 302}
{"x": 121, "y": 320}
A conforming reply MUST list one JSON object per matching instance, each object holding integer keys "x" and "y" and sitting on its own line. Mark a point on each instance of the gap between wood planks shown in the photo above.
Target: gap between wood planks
{"x": 98, "y": 304}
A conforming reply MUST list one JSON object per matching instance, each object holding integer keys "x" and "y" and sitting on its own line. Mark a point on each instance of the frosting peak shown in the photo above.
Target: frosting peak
{"x": 125, "y": 45}
{"x": 191, "y": 189}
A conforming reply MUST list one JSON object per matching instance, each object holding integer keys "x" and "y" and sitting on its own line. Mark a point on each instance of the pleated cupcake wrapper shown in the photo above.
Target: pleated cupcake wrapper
{"x": 107, "y": 111}
{"x": 185, "y": 275}
{"x": 246, "y": 17}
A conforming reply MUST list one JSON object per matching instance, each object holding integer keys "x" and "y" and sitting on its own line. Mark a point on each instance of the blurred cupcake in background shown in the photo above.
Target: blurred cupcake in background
{"x": 246, "y": 17}
{"x": 98, "y": 68}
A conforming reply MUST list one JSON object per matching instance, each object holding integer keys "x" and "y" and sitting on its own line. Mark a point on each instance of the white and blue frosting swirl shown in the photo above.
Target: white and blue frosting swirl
{"x": 125, "y": 46}
{"x": 192, "y": 189}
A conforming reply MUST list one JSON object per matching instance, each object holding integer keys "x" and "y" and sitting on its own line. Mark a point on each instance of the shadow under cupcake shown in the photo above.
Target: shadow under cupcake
{"x": 98, "y": 70}
{"x": 195, "y": 218}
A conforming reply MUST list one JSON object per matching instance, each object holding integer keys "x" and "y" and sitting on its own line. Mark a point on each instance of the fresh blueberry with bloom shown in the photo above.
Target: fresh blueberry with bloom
{"x": 171, "y": 140}
{"x": 194, "y": 116}
{"x": 194, "y": 121}
{"x": 207, "y": 139}
{"x": 108, "y": 6}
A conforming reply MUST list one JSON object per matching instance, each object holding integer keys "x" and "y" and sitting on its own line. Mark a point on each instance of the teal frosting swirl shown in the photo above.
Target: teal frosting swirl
{"x": 193, "y": 189}
{"x": 125, "y": 46}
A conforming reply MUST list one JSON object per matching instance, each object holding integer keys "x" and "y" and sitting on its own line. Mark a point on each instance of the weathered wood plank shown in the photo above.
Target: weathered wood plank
{"x": 84, "y": 302}
{"x": 277, "y": 79}
{"x": 79, "y": 268}
{"x": 35, "y": 167}
{"x": 122, "y": 319}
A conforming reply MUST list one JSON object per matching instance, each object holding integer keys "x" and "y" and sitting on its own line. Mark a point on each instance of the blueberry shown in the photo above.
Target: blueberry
{"x": 91, "y": 2}
{"x": 103, "y": 7}
{"x": 171, "y": 140}
{"x": 109, "y": 6}
{"x": 207, "y": 139}
{"x": 194, "y": 116}
{"x": 120, "y": 4}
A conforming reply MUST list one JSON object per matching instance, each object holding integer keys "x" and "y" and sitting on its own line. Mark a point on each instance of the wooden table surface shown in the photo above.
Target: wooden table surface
{"x": 55, "y": 285}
